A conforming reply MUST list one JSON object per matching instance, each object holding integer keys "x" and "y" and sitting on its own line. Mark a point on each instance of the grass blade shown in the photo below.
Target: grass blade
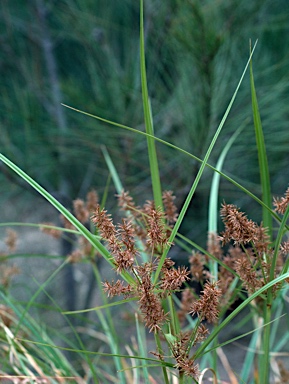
{"x": 214, "y": 192}
{"x": 142, "y": 347}
{"x": 153, "y": 160}
{"x": 228, "y": 178}
{"x": 263, "y": 162}
{"x": 200, "y": 172}
{"x": 80, "y": 227}
{"x": 112, "y": 170}
{"x": 214, "y": 195}
{"x": 202, "y": 349}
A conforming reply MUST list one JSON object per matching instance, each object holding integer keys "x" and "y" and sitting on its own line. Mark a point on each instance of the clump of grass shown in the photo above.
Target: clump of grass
{"x": 253, "y": 266}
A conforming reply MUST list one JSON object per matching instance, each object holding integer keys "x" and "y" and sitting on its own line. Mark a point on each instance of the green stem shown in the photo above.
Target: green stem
{"x": 153, "y": 160}
{"x": 109, "y": 328}
{"x": 265, "y": 360}
{"x": 160, "y": 351}
{"x": 174, "y": 317}
{"x": 264, "y": 367}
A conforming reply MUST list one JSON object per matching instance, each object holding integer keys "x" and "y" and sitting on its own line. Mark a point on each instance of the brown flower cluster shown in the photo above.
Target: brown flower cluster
{"x": 121, "y": 240}
{"x": 117, "y": 288}
{"x": 148, "y": 225}
{"x": 172, "y": 279}
{"x": 249, "y": 255}
{"x": 253, "y": 260}
{"x": 6, "y": 315}
{"x": 197, "y": 266}
{"x": 82, "y": 211}
{"x": 50, "y": 229}
{"x": 149, "y": 301}
{"x": 171, "y": 214}
{"x": 238, "y": 228}
{"x": 180, "y": 349}
{"x": 7, "y": 270}
{"x": 156, "y": 234}
{"x": 207, "y": 307}
{"x": 152, "y": 225}
{"x": 11, "y": 239}
{"x": 281, "y": 204}
{"x": 149, "y": 295}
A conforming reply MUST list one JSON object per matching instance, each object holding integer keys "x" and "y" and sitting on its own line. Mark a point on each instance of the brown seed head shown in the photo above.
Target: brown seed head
{"x": 207, "y": 306}
{"x": 54, "y": 232}
{"x": 238, "y": 227}
{"x": 80, "y": 210}
{"x": 11, "y": 238}
{"x": 281, "y": 204}
{"x": 91, "y": 200}
{"x": 171, "y": 214}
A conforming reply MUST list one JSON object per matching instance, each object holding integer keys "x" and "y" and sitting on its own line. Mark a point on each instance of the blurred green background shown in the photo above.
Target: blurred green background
{"x": 86, "y": 54}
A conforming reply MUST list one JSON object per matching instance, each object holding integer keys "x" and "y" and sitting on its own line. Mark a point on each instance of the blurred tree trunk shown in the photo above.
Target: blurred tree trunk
{"x": 58, "y": 115}
{"x": 56, "y": 110}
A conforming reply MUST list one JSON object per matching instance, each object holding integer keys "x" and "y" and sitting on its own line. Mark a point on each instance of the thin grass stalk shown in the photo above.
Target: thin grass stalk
{"x": 277, "y": 244}
{"x": 72, "y": 219}
{"x": 109, "y": 328}
{"x": 174, "y": 317}
{"x": 199, "y": 174}
{"x": 142, "y": 347}
{"x": 202, "y": 349}
{"x": 34, "y": 296}
{"x": 78, "y": 338}
{"x": 31, "y": 327}
{"x": 262, "y": 156}
{"x": 105, "y": 192}
{"x": 265, "y": 361}
{"x": 228, "y": 178}
{"x": 116, "y": 180}
{"x": 213, "y": 199}
{"x": 249, "y": 359}
{"x": 267, "y": 221}
{"x": 160, "y": 351}
{"x": 153, "y": 160}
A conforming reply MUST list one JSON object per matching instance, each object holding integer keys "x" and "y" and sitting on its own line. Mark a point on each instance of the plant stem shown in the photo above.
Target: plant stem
{"x": 264, "y": 367}
{"x": 159, "y": 347}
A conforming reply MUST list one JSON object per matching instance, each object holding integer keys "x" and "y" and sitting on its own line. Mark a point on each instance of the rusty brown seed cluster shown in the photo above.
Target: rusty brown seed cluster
{"x": 249, "y": 257}
{"x": 150, "y": 225}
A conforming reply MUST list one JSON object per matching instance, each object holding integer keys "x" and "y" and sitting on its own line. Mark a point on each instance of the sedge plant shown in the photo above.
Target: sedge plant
{"x": 253, "y": 267}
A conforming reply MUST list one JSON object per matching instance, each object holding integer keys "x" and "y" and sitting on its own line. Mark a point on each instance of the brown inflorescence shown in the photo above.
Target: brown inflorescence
{"x": 149, "y": 301}
{"x": 197, "y": 266}
{"x": 11, "y": 239}
{"x": 248, "y": 274}
{"x": 238, "y": 228}
{"x": 172, "y": 279}
{"x": 156, "y": 234}
{"x": 207, "y": 306}
{"x": 184, "y": 363}
{"x": 281, "y": 204}
{"x": 91, "y": 200}
{"x": 170, "y": 208}
{"x": 117, "y": 288}
{"x": 80, "y": 210}
{"x": 50, "y": 229}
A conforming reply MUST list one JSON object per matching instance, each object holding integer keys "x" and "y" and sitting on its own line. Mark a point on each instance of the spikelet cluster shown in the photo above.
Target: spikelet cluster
{"x": 150, "y": 226}
{"x": 249, "y": 257}
{"x": 82, "y": 209}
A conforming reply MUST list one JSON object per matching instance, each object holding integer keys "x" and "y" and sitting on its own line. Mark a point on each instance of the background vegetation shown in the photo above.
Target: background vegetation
{"x": 86, "y": 54}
